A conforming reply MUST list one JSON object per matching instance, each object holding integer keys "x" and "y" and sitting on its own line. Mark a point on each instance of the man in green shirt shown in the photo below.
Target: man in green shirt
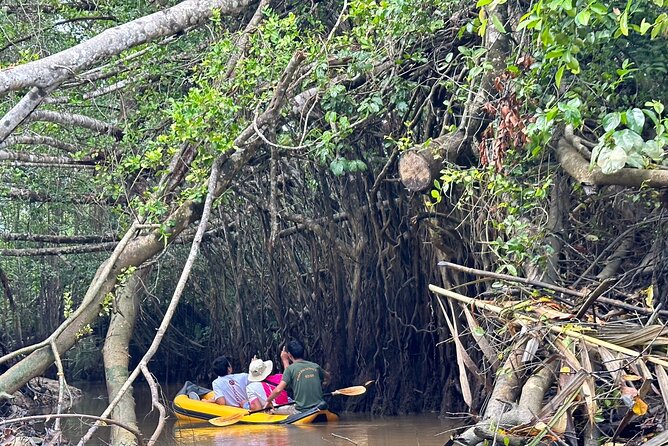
{"x": 303, "y": 377}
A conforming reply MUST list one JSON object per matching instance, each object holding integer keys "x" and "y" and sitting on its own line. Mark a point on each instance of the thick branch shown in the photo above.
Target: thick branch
{"x": 74, "y": 120}
{"x": 65, "y": 64}
{"x": 420, "y": 165}
{"x": 78, "y": 249}
{"x": 22, "y": 110}
{"x": 32, "y": 196}
{"x": 578, "y": 167}
{"x": 37, "y": 140}
{"x": 6, "y": 155}
{"x": 45, "y": 238}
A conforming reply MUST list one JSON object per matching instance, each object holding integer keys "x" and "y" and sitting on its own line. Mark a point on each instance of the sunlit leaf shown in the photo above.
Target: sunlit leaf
{"x": 582, "y": 18}
{"x": 497, "y": 23}
{"x": 631, "y": 378}
{"x": 624, "y": 23}
{"x": 649, "y": 298}
{"x": 610, "y": 161}
{"x": 635, "y": 119}
{"x": 639, "y": 406}
{"x": 611, "y": 121}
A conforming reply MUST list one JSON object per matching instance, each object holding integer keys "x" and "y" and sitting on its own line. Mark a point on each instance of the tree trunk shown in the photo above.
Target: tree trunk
{"x": 117, "y": 358}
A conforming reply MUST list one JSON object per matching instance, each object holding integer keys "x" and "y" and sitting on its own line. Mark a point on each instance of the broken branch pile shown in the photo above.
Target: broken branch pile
{"x": 558, "y": 379}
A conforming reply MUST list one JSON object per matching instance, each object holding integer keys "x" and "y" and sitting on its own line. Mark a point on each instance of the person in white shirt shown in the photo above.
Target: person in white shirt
{"x": 228, "y": 388}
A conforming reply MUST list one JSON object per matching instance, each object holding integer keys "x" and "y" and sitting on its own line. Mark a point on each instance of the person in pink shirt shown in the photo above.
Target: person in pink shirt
{"x": 261, "y": 383}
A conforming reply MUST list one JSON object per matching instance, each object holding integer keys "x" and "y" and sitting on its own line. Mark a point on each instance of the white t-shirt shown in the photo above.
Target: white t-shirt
{"x": 232, "y": 387}
{"x": 255, "y": 390}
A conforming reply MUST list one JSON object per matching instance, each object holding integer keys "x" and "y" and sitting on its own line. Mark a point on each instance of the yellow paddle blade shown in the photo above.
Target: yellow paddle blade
{"x": 226, "y": 421}
{"x": 350, "y": 391}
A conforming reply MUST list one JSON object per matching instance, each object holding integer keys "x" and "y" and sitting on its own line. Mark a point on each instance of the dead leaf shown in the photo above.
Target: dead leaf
{"x": 639, "y": 406}
{"x": 631, "y": 378}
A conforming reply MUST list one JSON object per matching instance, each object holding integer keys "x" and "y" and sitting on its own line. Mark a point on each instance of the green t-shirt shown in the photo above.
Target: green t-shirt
{"x": 305, "y": 380}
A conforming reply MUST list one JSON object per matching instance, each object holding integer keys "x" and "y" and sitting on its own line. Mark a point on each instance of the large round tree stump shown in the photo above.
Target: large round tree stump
{"x": 419, "y": 166}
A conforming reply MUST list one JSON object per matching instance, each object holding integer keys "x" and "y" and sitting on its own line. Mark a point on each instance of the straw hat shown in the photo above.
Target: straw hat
{"x": 258, "y": 369}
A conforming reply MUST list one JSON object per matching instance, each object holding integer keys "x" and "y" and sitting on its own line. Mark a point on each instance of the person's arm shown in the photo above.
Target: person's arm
{"x": 255, "y": 404}
{"x": 220, "y": 400}
{"x": 326, "y": 377}
{"x": 285, "y": 358}
{"x": 252, "y": 390}
{"x": 274, "y": 393}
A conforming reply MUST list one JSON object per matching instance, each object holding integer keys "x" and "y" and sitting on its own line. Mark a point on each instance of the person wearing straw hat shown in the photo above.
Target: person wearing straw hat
{"x": 261, "y": 383}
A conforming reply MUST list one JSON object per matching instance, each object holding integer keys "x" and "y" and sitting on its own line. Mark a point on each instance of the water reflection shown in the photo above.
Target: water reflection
{"x": 352, "y": 429}
{"x": 361, "y": 430}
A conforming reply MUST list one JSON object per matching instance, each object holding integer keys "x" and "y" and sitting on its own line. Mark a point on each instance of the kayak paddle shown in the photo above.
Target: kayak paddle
{"x": 233, "y": 419}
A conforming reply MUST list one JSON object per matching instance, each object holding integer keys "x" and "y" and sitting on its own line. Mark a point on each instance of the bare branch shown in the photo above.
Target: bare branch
{"x": 39, "y": 140}
{"x": 93, "y": 94}
{"x": 22, "y": 110}
{"x": 32, "y": 196}
{"x": 57, "y": 239}
{"x": 65, "y": 64}
{"x": 6, "y": 155}
{"x": 75, "y": 120}
{"x": 77, "y": 249}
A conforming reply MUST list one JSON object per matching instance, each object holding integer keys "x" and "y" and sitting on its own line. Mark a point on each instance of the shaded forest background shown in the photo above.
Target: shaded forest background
{"x": 355, "y": 145}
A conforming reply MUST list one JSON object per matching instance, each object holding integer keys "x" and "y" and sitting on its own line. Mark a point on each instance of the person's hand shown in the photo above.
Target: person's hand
{"x": 269, "y": 405}
{"x": 285, "y": 356}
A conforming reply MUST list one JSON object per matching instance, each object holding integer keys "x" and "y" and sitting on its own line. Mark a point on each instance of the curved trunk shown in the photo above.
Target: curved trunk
{"x": 116, "y": 356}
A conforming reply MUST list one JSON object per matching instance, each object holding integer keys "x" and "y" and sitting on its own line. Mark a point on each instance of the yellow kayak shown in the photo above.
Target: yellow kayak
{"x": 190, "y": 405}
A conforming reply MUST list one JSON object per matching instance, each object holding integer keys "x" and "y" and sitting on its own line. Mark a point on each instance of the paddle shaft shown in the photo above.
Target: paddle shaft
{"x": 250, "y": 412}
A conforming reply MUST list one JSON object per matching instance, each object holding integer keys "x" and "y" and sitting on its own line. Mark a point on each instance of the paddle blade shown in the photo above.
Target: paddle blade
{"x": 350, "y": 391}
{"x": 226, "y": 421}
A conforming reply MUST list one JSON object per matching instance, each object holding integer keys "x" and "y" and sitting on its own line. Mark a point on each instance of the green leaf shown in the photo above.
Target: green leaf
{"x": 582, "y": 18}
{"x": 653, "y": 150}
{"x": 338, "y": 166}
{"x": 497, "y": 23}
{"x": 644, "y": 27}
{"x": 651, "y": 115}
{"x": 482, "y": 3}
{"x": 627, "y": 140}
{"x": 611, "y": 121}
{"x": 635, "y": 160}
{"x": 559, "y": 75}
{"x": 610, "y": 161}
{"x": 599, "y": 8}
{"x": 624, "y": 23}
{"x": 635, "y": 119}
{"x": 555, "y": 53}
{"x": 656, "y": 105}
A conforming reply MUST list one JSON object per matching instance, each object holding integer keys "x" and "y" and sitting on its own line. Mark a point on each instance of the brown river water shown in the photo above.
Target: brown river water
{"x": 352, "y": 428}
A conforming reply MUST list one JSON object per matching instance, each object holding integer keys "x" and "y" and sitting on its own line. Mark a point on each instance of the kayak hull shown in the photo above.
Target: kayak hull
{"x": 188, "y": 408}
